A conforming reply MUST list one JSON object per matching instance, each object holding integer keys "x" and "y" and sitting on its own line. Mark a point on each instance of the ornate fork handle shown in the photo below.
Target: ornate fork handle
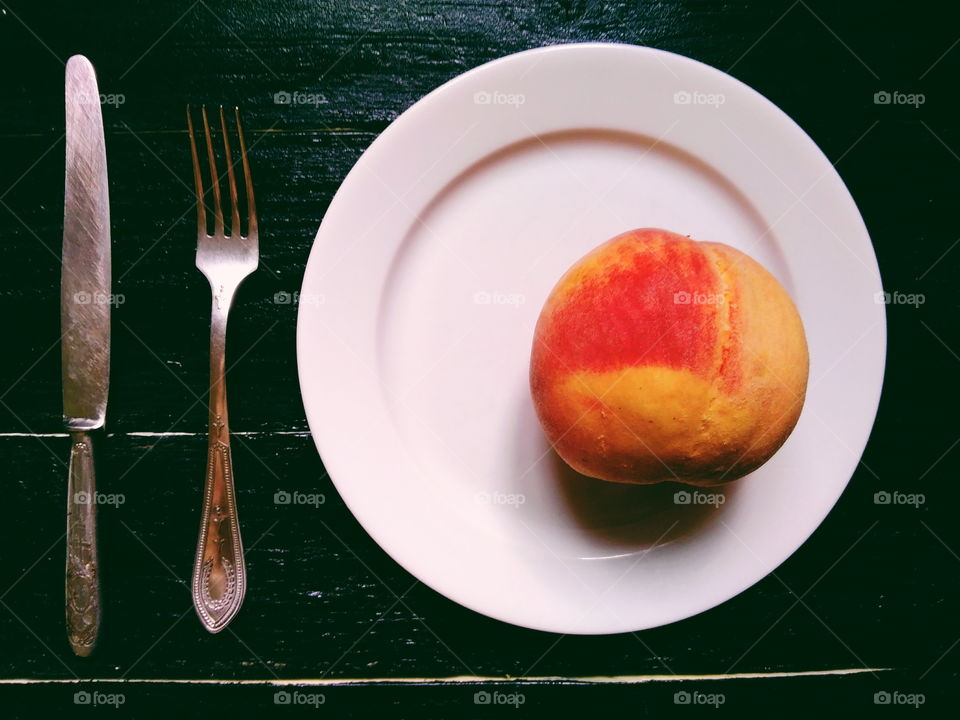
{"x": 219, "y": 572}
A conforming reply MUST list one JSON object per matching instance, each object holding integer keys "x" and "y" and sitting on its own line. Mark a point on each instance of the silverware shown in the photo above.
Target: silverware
{"x": 219, "y": 572}
{"x": 85, "y": 303}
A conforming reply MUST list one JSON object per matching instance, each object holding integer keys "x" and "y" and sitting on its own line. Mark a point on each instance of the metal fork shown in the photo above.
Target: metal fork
{"x": 219, "y": 572}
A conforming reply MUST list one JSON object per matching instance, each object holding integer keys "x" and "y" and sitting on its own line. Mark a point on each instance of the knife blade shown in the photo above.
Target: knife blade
{"x": 85, "y": 304}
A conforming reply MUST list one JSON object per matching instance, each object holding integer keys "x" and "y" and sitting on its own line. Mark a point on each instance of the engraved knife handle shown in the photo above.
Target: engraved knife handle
{"x": 219, "y": 572}
{"x": 83, "y": 572}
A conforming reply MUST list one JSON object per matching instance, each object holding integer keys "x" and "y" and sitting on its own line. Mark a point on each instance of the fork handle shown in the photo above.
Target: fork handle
{"x": 219, "y": 572}
{"x": 83, "y": 573}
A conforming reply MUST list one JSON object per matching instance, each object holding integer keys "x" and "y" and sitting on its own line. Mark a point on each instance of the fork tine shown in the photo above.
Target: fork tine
{"x": 218, "y": 211}
{"x": 251, "y": 205}
{"x": 197, "y": 181}
{"x": 234, "y": 213}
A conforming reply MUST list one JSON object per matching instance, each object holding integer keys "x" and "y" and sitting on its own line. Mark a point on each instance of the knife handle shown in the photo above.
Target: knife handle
{"x": 83, "y": 570}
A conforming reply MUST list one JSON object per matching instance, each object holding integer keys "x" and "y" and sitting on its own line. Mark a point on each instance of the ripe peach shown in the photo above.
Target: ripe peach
{"x": 660, "y": 358}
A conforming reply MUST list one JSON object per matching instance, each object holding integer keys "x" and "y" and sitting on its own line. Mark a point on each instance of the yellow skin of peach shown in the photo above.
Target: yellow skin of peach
{"x": 659, "y": 358}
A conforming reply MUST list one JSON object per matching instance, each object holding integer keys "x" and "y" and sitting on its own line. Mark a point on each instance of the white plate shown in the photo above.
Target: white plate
{"x": 425, "y": 281}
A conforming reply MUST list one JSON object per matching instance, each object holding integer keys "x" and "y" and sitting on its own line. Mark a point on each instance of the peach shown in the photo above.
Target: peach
{"x": 660, "y": 358}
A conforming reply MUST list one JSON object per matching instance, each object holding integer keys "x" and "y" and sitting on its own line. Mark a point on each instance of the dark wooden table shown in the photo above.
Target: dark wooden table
{"x": 875, "y": 588}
